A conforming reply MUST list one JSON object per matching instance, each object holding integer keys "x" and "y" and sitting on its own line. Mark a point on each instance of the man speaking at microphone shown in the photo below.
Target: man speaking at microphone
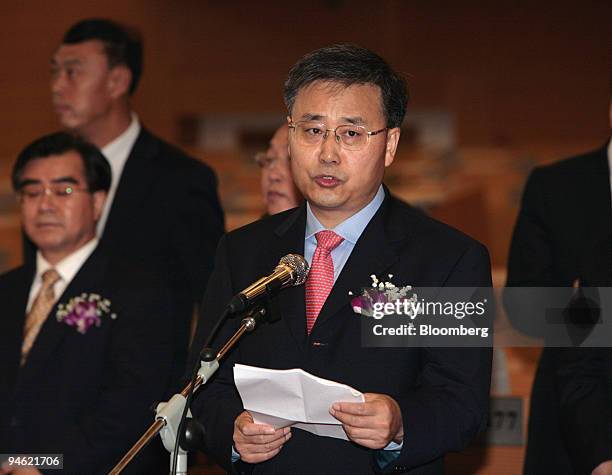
{"x": 345, "y": 107}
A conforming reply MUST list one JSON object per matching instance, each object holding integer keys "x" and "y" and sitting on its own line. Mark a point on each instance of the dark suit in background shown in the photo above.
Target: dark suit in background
{"x": 166, "y": 214}
{"x": 442, "y": 393}
{"x": 86, "y": 396}
{"x": 565, "y": 214}
{"x": 584, "y": 383}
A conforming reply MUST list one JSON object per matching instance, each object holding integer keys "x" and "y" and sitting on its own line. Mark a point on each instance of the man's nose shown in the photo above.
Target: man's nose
{"x": 330, "y": 147}
{"x": 47, "y": 201}
{"x": 58, "y": 82}
{"x": 274, "y": 172}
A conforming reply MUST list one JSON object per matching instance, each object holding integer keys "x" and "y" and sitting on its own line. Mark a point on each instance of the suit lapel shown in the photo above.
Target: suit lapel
{"x": 15, "y": 306}
{"x": 136, "y": 179}
{"x": 53, "y": 332}
{"x": 291, "y": 241}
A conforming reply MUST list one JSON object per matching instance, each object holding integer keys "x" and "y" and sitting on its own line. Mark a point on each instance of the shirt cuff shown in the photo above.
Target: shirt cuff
{"x": 235, "y": 455}
{"x": 391, "y": 446}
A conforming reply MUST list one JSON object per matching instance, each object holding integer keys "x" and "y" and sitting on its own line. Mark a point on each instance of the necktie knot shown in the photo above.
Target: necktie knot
{"x": 50, "y": 277}
{"x": 328, "y": 240}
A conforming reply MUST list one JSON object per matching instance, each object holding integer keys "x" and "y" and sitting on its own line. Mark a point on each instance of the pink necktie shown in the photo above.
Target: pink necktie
{"x": 321, "y": 275}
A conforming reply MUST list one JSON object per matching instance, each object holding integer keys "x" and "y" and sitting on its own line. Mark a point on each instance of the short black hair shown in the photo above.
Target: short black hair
{"x": 348, "y": 65}
{"x": 122, "y": 44}
{"x": 97, "y": 169}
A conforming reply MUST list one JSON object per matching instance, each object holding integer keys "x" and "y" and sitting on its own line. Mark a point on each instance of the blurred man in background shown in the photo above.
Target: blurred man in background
{"x": 162, "y": 207}
{"x": 277, "y": 187}
{"x": 563, "y": 238}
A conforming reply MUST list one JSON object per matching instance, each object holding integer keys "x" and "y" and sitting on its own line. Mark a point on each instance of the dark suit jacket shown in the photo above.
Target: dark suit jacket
{"x": 86, "y": 396}
{"x": 565, "y": 215}
{"x": 584, "y": 383}
{"x": 443, "y": 393}
{"x": 166, "y": 215}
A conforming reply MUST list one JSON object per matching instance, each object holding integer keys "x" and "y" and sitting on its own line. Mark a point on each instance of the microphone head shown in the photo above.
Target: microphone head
{"x": 298, "y": 266}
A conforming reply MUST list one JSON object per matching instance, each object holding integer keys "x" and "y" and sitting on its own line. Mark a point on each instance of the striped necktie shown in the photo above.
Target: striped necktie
{"x": 42, "y": 305}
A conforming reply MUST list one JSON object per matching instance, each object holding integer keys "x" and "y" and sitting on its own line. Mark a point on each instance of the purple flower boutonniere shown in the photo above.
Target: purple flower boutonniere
{"x": 84, "y": 311}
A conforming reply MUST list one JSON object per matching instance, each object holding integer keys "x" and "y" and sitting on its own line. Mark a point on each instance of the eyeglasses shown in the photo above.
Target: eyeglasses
{"x": 350, "y": 137}
{"x": 35, "y": 191}
{"x": 266, "y": 161}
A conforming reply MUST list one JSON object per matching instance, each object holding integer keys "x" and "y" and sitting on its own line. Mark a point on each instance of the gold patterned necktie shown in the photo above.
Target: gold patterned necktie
{"x": 42, "y": 305}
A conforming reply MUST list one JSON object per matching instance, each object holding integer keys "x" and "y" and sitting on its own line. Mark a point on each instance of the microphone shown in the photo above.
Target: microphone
{"x": 291, "y": 270}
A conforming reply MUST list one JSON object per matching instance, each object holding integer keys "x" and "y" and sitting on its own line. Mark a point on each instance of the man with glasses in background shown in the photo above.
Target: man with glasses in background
{"x": 345, "y": 108}
{"x": 85, "y": 340}
{"x": 278, "y": 189}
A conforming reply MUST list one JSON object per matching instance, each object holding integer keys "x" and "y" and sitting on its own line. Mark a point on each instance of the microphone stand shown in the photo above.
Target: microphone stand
{"x": 168, "y": 414}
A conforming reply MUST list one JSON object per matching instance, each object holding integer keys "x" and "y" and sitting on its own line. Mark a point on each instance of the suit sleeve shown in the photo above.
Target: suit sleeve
{"x": 137, "y": 374}
{"x": 531, "y": 263}
{"x": 582, "y": 380}
{"x": 449, "y": 406}
{"x": 219, "y": 396}
{"x": 531, "y": 257}
{"x": 582, "y": 385}
{"x": 197, "y": 224}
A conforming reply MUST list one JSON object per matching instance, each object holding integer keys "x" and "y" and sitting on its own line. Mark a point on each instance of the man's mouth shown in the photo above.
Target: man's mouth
{"x": 61, "y": 108}
{"x": 275, "y": 194}
{"x": 47, "y": 225}
{"x": 327, "y": 181}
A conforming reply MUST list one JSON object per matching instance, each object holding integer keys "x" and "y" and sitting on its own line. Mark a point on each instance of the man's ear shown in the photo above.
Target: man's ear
{"x": 99, "y": 198}
{"x": 393, "y": 136}
{"x": 119, "y": 81}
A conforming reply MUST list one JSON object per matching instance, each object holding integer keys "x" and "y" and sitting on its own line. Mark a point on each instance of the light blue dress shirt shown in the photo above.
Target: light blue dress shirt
{"x": 349, "y": 229}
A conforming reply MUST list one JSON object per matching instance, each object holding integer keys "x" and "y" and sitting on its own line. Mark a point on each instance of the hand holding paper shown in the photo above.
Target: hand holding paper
{"x": 256, "y": 442}
{"x": 373, "y": 424}
{"x": 283, "y": 398}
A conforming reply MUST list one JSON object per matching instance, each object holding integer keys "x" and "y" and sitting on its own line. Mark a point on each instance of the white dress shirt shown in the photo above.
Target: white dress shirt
{"x": 67, "y": 268}
{"x": 117, "y": 153}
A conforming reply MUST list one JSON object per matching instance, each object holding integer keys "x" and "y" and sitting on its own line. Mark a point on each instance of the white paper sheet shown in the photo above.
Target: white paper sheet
{"x": 293, "y": 397}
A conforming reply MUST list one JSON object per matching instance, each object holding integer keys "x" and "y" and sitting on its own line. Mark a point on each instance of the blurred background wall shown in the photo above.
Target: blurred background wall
{"x": 496, "y": 88}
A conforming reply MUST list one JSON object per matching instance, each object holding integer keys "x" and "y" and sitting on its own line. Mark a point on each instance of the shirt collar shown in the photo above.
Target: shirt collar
{"x": 351, "y": 228}
{"x": 124, "y": 141}
{"x": 69, "y": 265}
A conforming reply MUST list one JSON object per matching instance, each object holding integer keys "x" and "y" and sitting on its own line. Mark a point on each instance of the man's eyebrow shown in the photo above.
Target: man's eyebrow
{"x": 28, "y": 181}
{"x": 66, "y": 62}
{"x": 66, "y": 179}
{"x": 309, "y": 116}
{"x": 354, "y": 120}
{"x": 319, "y": 117}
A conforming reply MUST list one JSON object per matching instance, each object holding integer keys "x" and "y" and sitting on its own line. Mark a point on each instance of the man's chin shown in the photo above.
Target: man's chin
{"x": 326, "y": 199}
{"x": 278, "y": 205}
{"x": 47, "y": 237}
{"x": 68, "y": 121}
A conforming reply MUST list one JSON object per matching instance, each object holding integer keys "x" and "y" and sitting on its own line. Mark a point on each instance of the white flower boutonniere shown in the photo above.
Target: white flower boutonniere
{"x": 378, "y": 294}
